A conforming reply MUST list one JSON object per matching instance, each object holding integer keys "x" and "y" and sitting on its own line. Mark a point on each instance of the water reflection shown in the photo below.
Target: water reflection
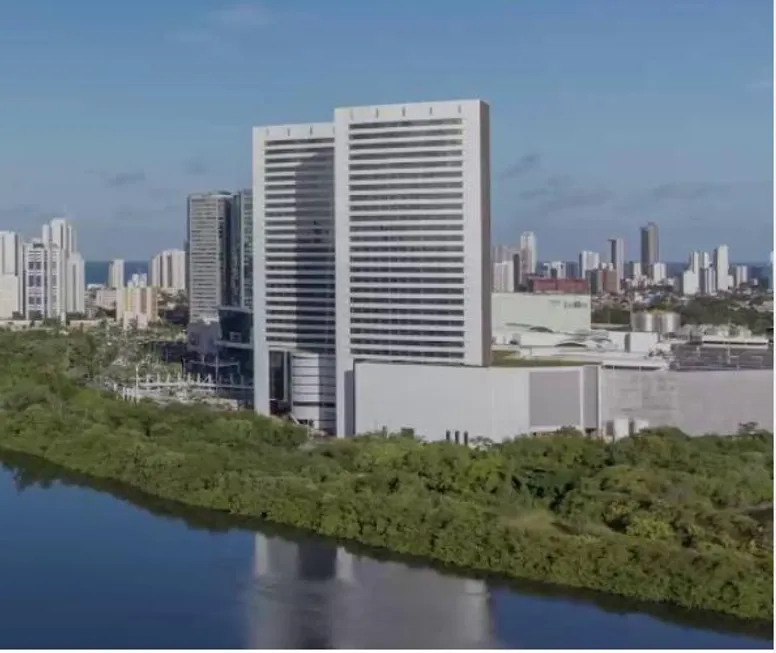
{"x": 201, "y": 579}
{"x": 311, "y": 595}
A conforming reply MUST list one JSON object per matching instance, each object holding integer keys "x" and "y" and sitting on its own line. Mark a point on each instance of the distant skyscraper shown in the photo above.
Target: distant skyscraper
{"x": 208, "y": 255}
{"x": 617, "y": 256}
{"x": 650, "y": 247}
{"x": 11, "y": 274}
{"x": 66, "y": 276}
{"x": 116, "y": 274}
{"x": 44, "y": 269}
{"x": 528, "y": 253}
{"x": 588, "y": 261}
{"x": 722, "y": 268}
{"x": 75, "y": 301}
{"x": 168, "y": 270}
{"x": 10, "y": 253}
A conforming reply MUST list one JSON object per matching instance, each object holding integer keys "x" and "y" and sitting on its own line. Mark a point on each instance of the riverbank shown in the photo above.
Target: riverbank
{"x": 660, "y": 517}
{"x": 30, "y": 472}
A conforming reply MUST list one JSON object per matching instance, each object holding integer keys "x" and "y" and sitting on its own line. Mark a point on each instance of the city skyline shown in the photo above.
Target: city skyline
{"x": 578, "y": 157}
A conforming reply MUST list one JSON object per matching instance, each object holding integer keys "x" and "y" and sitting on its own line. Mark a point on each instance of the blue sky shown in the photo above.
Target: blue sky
{"x": 605, "y": 113}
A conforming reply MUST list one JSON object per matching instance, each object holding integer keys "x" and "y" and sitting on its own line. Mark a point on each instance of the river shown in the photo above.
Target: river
{"x": 87, "y": 566}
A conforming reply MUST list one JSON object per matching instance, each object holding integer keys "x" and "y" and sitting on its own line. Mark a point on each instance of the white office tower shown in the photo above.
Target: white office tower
{"x": 740, "y": 276}
{"x": 722, "y": 268}
{"x": 116, "y": 274}
{"x": 412, "y": 225}
{"x": 689, "y": 282}
{"x": 504, "y": 276}
{"x": 75, "y": 300}
{"x": 617, "y": 256}
{"x": 707, "y": 281}
{"x": 528, "y": 253}
{"x": 588, "y": 261}
{"x": 45, "y": 270}
{"x": 293, "y": 271}
{"x": 168, "y": 270}
{"x": 705, "y": 260}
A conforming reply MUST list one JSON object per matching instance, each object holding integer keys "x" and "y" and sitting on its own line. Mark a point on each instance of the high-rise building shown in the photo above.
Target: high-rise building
{"x": 245, "y": 265}
{"x": 137, "y": 305}
{"x": 168, "y": 270}
{"x": 395, "y": 252}
{"x": 10, "y": 253}
{"x": 116, "y": 273}
{"x": 722, "y": 268}
{"x": 617, "y": 256}
{"x": 293, "y": 275}
{"x": 504, "y": 276}
{"x": 650, "y": 246}
{"x": 412, "y": 226}
{"x": 60, "y": 233}
{"x": 12, "y": 274}
{"x": 53, "y": 273}
{"x": 658, "y": 273}
{"x": 554, "y": 269}
{"x": 740, "y": 276}
{"x": 707, "y": 281}
{"x": 528, "y": 253}
{"x": 75, "y": 269}
{"x": 207, "y": 248}
{"x": 588, "y": 261}
{"x": 44, "y": 270}
{"x": 689, "y": 282}
{"x": 633, "y": 270}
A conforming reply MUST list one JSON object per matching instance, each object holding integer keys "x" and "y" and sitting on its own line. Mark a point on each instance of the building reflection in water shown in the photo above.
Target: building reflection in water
{"x": 316, "y": 595}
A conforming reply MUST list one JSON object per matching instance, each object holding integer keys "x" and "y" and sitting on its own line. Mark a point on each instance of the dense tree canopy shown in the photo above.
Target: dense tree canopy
{"x": 659, "y": 516}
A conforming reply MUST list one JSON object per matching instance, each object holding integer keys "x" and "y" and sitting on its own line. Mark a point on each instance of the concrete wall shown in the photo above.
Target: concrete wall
{"x": 563, "y": 313}
{"x": 502, "y": 402}
{"x": 696, "y": 402}
{"x": 492, "y": 402}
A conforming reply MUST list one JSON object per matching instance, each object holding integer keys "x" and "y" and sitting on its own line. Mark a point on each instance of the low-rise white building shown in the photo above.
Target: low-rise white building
{"x": 463, "y": 403}
{"x": 513, "y": 312}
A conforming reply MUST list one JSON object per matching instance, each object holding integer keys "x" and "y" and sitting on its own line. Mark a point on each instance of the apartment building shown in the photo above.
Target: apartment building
{"x": 168, "y": 270}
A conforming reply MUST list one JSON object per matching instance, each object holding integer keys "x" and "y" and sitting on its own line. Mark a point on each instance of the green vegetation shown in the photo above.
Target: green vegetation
{"x": 658, "y": 517}
{"x": 727, "y": 311}
{"x": 718, "y": 310}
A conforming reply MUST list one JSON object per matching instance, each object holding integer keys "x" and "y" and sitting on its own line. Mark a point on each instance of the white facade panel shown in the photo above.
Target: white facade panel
{"x": 314, "y": 390}
{"x": 559, "y": 313}
{"x": 490, "y": 402}
{"x": 695, "y": 402}
{"x": 412, "y": 198}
